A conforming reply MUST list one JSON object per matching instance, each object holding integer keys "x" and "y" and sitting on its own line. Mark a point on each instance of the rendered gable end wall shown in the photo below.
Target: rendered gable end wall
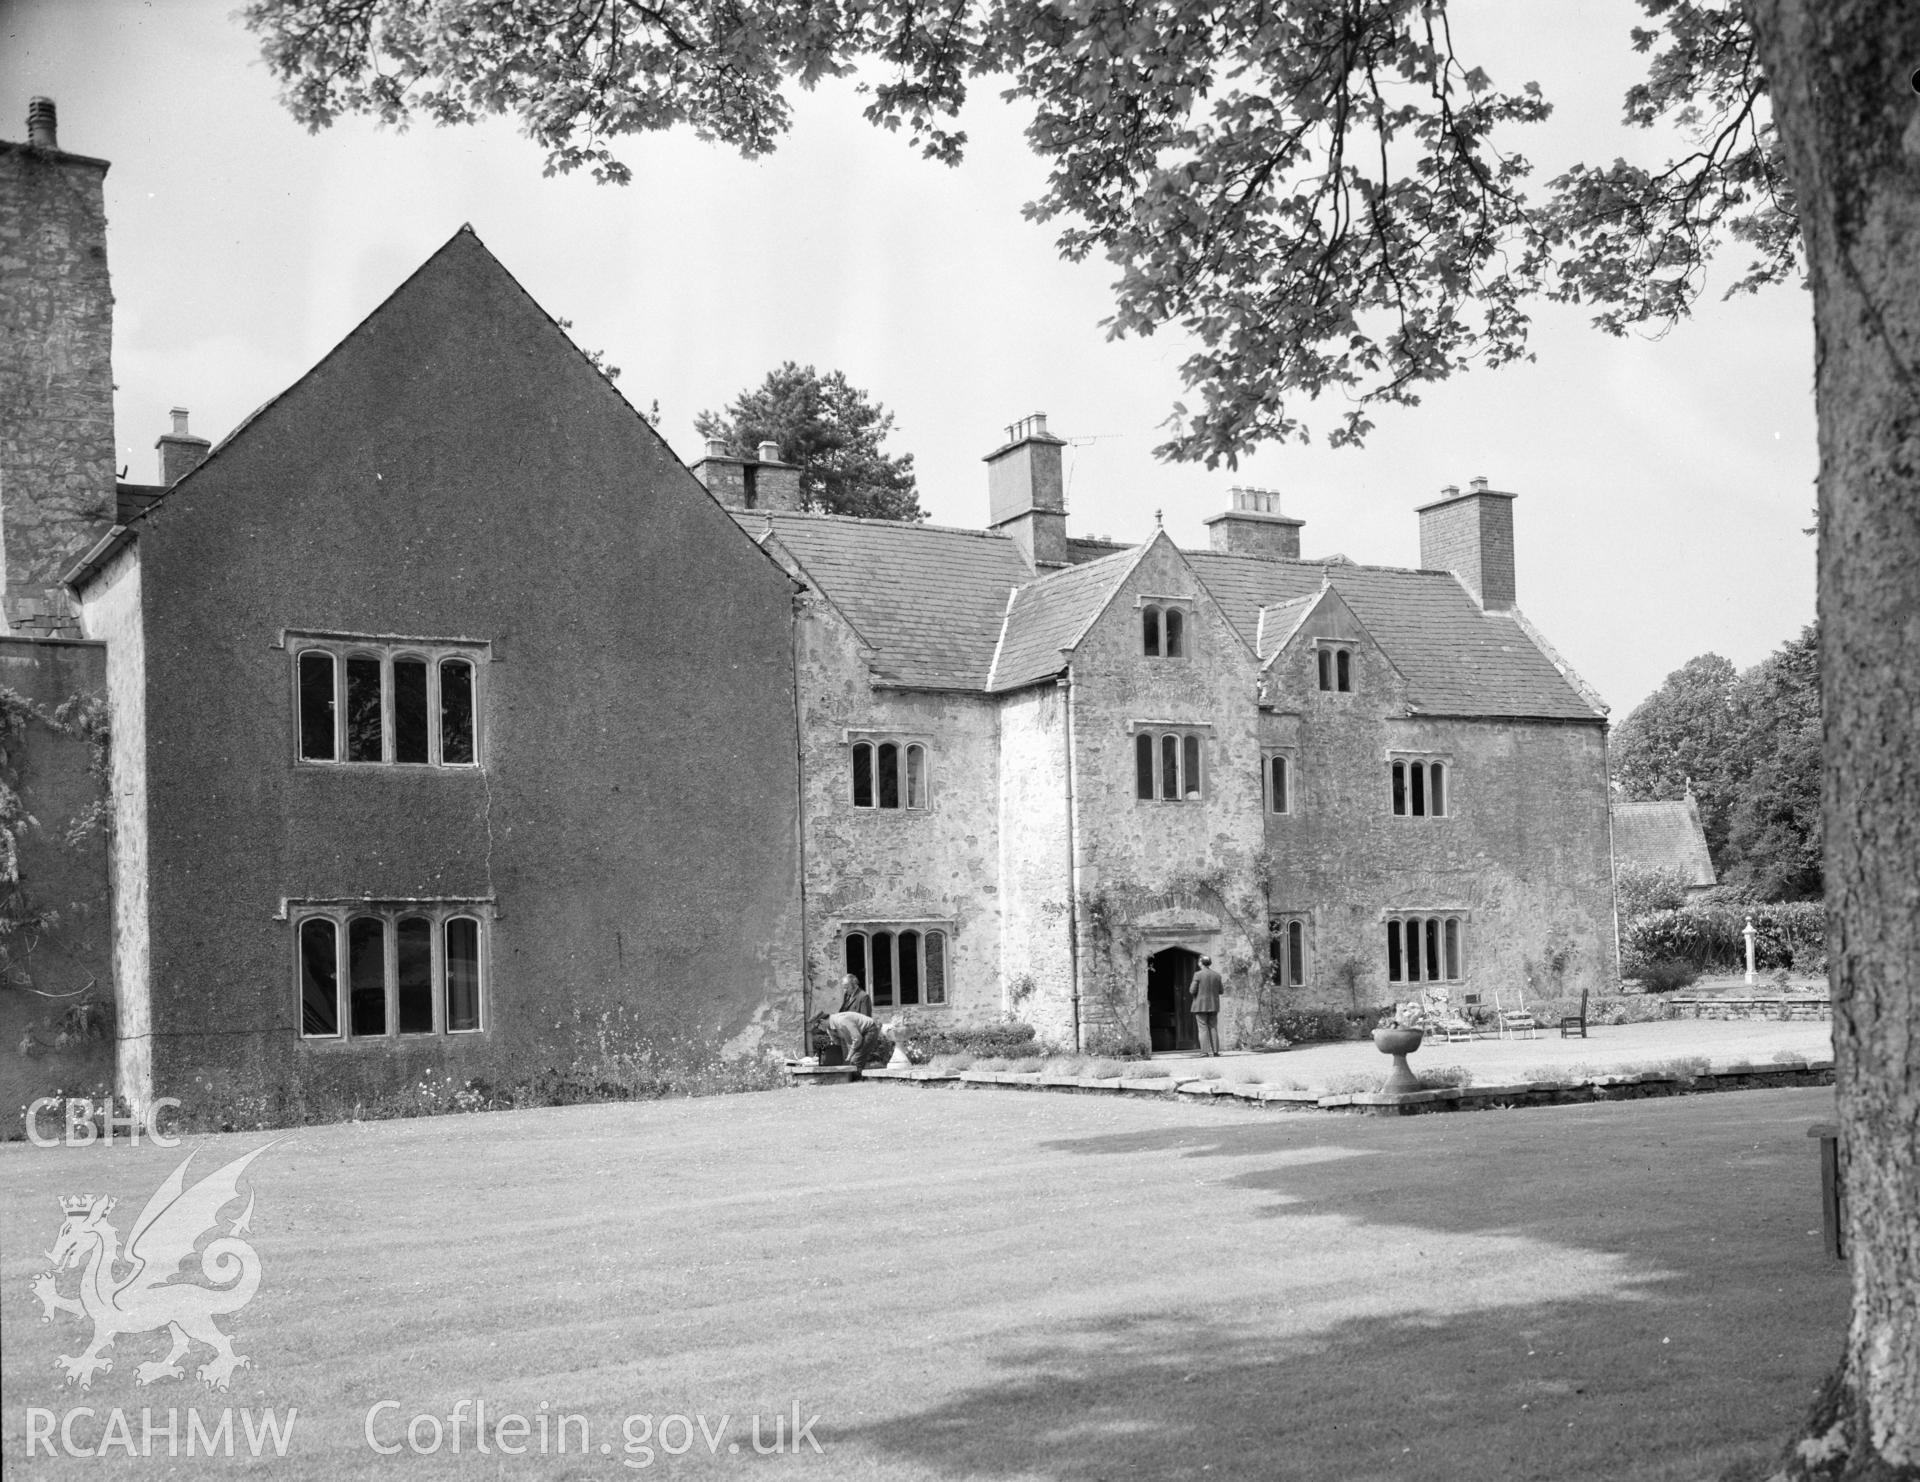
{"x": 456, "y": 470}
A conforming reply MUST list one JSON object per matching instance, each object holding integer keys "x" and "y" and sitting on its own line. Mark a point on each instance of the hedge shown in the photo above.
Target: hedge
{"x": 926, "y": 1037}
{"x": 1791, "y": 934}
{"x": 1322, "y": 1026}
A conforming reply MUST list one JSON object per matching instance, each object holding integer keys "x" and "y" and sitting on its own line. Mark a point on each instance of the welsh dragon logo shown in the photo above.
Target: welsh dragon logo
{"x": 148, "y": 1297}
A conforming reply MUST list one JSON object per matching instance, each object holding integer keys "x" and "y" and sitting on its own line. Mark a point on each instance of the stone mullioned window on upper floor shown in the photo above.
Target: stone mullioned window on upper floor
{"x": 383, "y": 701}
{"x": 1169, "y": 764}
{"x": 1420, "y": 786}
{"x": 889, "y": 774}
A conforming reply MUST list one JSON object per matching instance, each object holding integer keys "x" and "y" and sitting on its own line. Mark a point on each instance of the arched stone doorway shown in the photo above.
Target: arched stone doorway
{"x": 1170, "y": 1021}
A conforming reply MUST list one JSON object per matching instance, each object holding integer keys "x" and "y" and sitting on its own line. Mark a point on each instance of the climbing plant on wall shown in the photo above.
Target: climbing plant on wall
{"x": 26, "y": 920}
{"x": 1111, "y": 912}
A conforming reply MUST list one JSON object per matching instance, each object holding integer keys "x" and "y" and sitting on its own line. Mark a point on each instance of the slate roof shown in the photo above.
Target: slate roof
{"x": 1664, "y": 836}
{"x": 1458, "y": 660}
{"x": 1050, "y": 613}
{"x": 929, "y": 599}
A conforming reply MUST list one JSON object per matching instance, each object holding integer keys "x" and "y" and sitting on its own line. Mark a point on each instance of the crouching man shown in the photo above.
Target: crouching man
{"x": 859, "y": 1037}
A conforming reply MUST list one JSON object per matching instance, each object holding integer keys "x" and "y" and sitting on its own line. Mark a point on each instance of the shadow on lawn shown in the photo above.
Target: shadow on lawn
{"x": 1715, "y": 1316}
{"x": 1469, "y": 1396}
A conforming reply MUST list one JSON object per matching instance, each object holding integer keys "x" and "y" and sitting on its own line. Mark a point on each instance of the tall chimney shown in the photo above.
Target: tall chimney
{"x": 43, "y": 124}
{"x": 1471, "y": 535}
{"x": 1026, "y": 491}
{"x": 56, "y": 432}
{"x": 724, "y": 475}
{"x": 180, "y": 451}
{"x": 777, "y": 483}
{"x": 1254, "y": 526}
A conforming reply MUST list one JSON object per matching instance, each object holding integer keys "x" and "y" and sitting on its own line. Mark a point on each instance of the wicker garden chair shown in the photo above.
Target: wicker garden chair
{"x": 1517, "y": 1021}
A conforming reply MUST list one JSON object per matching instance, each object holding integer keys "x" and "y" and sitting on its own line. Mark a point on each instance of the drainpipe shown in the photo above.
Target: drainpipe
{"x": 1073, "y": 866}
{"x": 1606, "y": 784}
{"x": 800, "y": 823}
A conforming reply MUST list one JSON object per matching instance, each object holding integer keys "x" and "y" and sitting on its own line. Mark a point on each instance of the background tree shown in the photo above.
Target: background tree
{"x": 1681, "y": 736}
{"x": 1311, "y": 189}
{"x": 1773, "y": 832}
{"x": 1749, "y": 746}
{"x": 827, "y": 425}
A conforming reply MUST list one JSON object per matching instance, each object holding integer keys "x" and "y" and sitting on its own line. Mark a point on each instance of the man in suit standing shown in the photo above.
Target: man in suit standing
{"x": 1206, "y": 990}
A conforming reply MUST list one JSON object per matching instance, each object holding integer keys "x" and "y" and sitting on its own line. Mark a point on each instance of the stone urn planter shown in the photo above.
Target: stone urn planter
{"x": 1399, "y": 1042}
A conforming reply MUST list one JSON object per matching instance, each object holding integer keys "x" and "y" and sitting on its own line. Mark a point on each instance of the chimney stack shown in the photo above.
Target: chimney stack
{"x": 180, "y": 451}
{"x": 1254, "y": 526}
{"x": 750, "y": 483}
{"x": 56, "y": 452}
{"x": 1471, "y": 535}
{"x": 778, "y": 483}
{"x": 1026, "y": 492}
{"x": 43, "y": 124}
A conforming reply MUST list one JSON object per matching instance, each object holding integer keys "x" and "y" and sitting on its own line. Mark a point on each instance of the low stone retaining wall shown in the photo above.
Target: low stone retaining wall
{"x": 1627, "y": 1085}
{"x": 1757, "y": 1006}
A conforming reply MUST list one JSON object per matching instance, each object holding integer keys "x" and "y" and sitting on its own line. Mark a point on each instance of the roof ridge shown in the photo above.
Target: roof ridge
{"x": 823, "y": 515}
{"x": 1322, "y": 562}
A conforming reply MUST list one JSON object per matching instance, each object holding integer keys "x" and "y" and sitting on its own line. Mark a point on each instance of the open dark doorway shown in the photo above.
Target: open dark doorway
{"x": 1170, "y": 1022}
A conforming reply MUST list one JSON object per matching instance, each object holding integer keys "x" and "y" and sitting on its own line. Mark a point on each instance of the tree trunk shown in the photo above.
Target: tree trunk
{"x": 1845, "y": 95}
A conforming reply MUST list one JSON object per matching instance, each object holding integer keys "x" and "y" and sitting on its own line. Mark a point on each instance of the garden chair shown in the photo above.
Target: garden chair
{"x": 1574, "y": 1024}
{"x": 1444, "y": 1021}
{"x": 1514, "y": 1022}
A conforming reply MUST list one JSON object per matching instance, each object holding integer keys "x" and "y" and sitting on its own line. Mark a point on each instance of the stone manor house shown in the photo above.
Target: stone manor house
{"x": 457, "y": 726}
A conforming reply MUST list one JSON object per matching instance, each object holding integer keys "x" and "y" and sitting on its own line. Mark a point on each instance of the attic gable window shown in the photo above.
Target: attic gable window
{"x": 890, "y": 775}
{"x": 1167, "y": 766}
{"x": 386, "y": 702}
{"x": 1419, "y": 786}
{"x": 1163, "y": 631}
{"x": 1335, "y": 662}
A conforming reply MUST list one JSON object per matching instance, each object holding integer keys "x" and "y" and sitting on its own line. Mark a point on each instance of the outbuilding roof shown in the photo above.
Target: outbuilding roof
{"x": 1663, "y": 835}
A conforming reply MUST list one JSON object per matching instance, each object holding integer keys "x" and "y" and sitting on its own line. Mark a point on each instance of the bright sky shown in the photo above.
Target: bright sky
{"x": 1664, "y": 484}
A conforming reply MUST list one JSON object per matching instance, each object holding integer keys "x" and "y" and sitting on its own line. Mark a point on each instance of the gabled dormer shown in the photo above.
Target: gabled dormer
{"x": 1316, "y": 652}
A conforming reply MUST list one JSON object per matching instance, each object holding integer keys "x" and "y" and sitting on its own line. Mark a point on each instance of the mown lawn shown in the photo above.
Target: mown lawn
{"x": 995, "y": 1285}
